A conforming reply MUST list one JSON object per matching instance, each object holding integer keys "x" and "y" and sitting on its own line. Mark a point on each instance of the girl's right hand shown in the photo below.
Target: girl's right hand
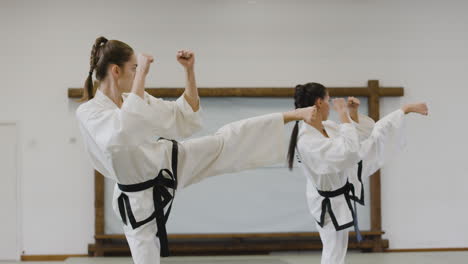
{"x": 310, "y": 116}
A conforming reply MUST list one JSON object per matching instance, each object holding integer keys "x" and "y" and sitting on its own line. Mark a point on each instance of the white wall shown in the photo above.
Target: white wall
{"x": 421, "y": 45}
{"x": 9, "y": 229}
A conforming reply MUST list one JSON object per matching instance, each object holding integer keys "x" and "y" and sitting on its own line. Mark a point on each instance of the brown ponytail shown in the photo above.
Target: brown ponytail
{"x": 304, "y": 96}
{"x": 88, "y": 93}
{"x": 104, "y": 53}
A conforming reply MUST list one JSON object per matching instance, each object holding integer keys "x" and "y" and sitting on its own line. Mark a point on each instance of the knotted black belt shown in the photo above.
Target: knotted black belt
{"x": 349, "y": 193}
{"x": 161, "y": 198}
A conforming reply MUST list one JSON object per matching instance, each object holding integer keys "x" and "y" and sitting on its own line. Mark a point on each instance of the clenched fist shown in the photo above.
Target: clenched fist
{"x": 186, "y": 58}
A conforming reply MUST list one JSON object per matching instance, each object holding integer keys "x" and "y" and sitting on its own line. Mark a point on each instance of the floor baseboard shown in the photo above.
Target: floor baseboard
{"x": 49, "y": 257}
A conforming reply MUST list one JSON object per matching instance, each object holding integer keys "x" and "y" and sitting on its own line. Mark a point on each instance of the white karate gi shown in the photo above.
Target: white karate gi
{"x": 122, "y": 144}
{"x": 329, "y": 163}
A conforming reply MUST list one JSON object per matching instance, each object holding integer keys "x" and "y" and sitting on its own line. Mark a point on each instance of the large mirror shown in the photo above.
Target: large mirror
{"x": 265, "y": 200}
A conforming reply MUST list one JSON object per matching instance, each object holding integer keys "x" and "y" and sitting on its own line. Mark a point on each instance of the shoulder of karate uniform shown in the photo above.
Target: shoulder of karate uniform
{"x": 146, "y": 96}
{"x": 88, "y": 110}
{"x": 149, "y": 99}
{"x": 83, "y": 111}
{"x": 364, "y": 121}
{"x": 334, "y": 128}
{"x": 331, "y": 124}
{"x": 366, "y": 118}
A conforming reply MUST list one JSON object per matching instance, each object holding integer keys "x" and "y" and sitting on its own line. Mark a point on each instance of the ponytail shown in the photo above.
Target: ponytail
{"x": 88, "y": 92}
{"x": 292, "y": 145}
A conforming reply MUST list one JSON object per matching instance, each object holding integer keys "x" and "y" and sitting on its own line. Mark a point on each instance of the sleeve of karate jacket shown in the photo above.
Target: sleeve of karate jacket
{"x": 172, "y": 120}
{"x": 386, "y": 139}
{"x": 330, "y": 155}
{"x": 138, "y": 120}
{"x": 364, "y": 127}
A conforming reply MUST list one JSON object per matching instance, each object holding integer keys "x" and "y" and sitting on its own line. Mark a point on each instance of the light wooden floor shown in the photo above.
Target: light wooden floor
{"x": 289, "y": 258}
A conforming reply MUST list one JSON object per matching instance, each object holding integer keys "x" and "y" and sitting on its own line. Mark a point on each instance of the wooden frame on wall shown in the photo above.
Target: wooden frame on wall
{"x": 251, "y": 243}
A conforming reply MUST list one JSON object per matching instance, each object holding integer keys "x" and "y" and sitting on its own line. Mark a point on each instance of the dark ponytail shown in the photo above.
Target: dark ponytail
{"x": 103, "y": 53}
{"x": 304, "y": 96}
{"x": 292, "y": 145}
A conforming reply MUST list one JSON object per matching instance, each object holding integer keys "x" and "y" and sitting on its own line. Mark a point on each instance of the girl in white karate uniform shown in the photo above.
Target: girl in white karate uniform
{"x": 335, "y": 158}
{"x": 130, "y": 134}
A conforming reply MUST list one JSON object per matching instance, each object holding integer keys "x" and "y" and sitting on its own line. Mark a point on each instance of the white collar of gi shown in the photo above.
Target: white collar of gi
{"x": 306, "y": 128}
{"x": 327, "y": 124}
{"x": 145, "y": 96}
{"x": 106, "y": 101}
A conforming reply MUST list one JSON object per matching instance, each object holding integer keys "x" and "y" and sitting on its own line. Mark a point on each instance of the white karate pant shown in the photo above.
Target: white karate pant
{"x": 242, "y": 145}
{"x": 387, "y": 138}
{"x": 335, "y": 243}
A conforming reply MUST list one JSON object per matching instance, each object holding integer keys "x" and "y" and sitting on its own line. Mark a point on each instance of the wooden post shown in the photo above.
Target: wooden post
{"x": 99, "y": 211}
{"x": 375, "y": 188}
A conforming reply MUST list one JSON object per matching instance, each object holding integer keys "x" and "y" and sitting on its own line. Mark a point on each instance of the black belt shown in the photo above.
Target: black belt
{"x": 161, "y": 198}
{"x": 348, "y": 191}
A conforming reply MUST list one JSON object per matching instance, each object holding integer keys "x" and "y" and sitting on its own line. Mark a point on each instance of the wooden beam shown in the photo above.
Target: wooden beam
{"x": 364, "y": 92}
{"x": 127, "y": 251}
{"x": 242, "y": 235}
{"x": 425, "y": 250}
{"x": 229, "y": 247}
{"x": 255, "y": 92}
